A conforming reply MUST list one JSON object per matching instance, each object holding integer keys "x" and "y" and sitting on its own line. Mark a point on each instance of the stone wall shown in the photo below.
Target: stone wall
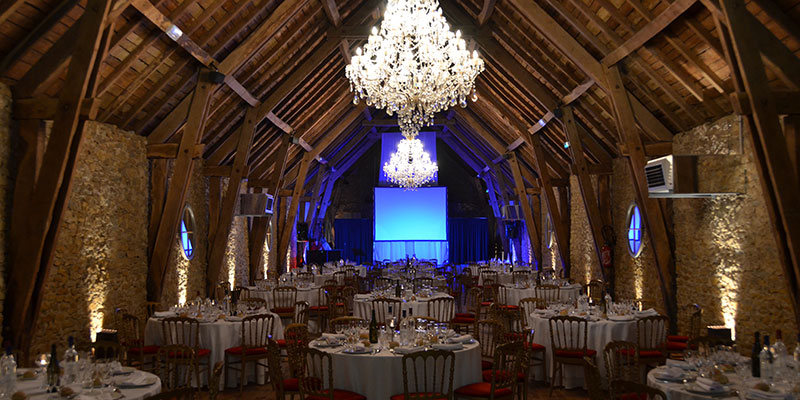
{"x": 635, "y": 278}
{"x": 236, "y": 265}
{"x": 582, "y": 253}
{"x": 726, "y": 256}
{"x": 100, "y": 259}
{"x": 186, "y": 278}
{"x": 551, "y": 257}
{"x": 6, "y": 185}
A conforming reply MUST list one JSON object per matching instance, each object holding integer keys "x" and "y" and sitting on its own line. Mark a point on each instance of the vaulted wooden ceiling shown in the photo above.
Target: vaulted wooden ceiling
{"x": 294, "y": 52}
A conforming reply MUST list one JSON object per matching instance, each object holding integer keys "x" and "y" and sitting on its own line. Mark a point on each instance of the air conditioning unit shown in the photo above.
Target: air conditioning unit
{"x": 695, "y": 176}
{"x": 255, "y": 204}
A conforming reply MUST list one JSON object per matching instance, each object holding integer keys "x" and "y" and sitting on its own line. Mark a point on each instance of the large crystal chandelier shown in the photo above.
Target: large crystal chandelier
{"x": 410, "y": 167}
{"x": 414, "y": 65}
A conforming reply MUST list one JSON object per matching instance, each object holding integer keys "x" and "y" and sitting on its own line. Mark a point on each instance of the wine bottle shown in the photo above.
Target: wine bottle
{"x": 397, "y": 292}
{"x": 765, "y": 359}
{"x": 53, "y": 371}
{"x": 755, "y": 362}
{"x": 373, "y": 329}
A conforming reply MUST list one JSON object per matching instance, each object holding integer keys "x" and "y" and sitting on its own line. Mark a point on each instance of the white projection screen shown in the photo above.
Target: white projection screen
{"x": 411, "y": 214}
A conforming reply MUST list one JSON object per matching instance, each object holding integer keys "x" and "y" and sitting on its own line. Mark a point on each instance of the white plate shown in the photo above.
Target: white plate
{"x": 621, "y": 318}
{"x": 357, "y": 351}
{"x": 124, "y": 371}
{"x": 693, "y": 388}
{"x": 325, "y": 344}
{"x": 150, "y": 380}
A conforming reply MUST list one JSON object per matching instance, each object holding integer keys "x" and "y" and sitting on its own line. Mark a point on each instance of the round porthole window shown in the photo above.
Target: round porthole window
{"x": 187, "y": 232}
{"x": 634, "y": 230}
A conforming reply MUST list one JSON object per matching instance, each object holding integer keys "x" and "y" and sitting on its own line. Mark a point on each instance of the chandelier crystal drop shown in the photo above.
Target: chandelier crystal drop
{"x": 414, "y": 66}
{"x": 410, "y": 167}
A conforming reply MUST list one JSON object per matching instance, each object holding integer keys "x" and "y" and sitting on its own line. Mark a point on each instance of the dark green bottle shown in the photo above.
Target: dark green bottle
{"x": 373, "y": 329}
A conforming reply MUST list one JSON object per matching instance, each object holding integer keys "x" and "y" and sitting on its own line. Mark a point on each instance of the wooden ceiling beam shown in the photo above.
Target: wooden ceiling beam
{"x": 649, "y": 31}
{"x": 232, "y": 63}
{"x": 573, "y": 50}
{"x": 486, "y": 12}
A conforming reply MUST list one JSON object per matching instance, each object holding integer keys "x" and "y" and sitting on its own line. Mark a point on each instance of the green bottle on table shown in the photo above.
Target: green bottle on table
{"x": 373, "y": 329}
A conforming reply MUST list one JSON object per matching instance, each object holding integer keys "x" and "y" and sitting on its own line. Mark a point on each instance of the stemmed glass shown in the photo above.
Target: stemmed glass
{"x": 42, "y": 361}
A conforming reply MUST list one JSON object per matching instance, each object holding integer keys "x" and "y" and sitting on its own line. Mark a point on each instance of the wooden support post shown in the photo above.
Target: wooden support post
{"x": 581, "y": 170}
{"x": 34, "y": 236}
{"x": 231, "y": 197}
{"x": 536, "y": 207}
{"x": 524, "y": 203}
{"x": 291, "y": 214}
{"x": 791, "y": 128}
{"x": 176, "y": 194}
{"x": 258, "y": 231}
{"x": 549, "y": 196}
{"x": 322, "y": 173}
{"x": 649, "y": 208}
{"x": 318, "y": 222}
{"x": 158, "y": 192}
{"x": 776, "y": 170}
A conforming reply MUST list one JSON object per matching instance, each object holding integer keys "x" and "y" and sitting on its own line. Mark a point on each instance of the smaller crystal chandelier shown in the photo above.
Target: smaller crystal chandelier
{"x": 410, "y": 167}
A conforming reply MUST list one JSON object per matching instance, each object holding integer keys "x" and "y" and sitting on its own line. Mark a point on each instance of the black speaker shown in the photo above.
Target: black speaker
{"x": 512, "y": 229}
{"x": 302, "y": 231}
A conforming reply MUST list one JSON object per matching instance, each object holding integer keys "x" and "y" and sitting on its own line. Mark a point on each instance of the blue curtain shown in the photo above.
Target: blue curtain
{"x": 468, "y": 239}
{"x": 354, "y": 238}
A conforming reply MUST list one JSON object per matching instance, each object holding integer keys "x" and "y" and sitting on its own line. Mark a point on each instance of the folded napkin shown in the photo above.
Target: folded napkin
{"x": 408, "y": 349}
{"x": 164, "y": 314}
{"x": 756, "y": 394}
{"x": 460, "y": 339}
{"x": 132, "y": 380}
{"x": 448, "y": 346}
{"x": 646, "y": 313}
{"x": 362, "y": 296}
{"x": 708, "y": 385}
{"x": 678, "y": 364}
{"x": 669, "y": 373}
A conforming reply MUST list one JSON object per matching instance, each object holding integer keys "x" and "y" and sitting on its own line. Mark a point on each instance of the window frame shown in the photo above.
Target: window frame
{"x": 634, "y": 208}
{"x": 187, "y": 218}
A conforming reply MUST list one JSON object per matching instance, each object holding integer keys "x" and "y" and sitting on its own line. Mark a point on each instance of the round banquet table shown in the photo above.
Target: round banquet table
{"x": 35, "y": 390}
{"x": 678, "y": 390}
{"x": 599, "y": 334}
{"x": 362, "y": 307}
{"x": 380, "y": 376}
{"x": 514, "y": 295}
{"x": 311, "y": 295}
{"x": 215, "y": 336}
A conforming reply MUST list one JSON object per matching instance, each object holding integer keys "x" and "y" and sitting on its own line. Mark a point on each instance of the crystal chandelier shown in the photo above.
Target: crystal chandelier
{"x": 410, "y": 167}
{"x": 414, "y": 65}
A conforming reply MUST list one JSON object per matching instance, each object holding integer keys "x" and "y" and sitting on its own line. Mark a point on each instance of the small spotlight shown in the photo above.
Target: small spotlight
{"x": 542, "y": 123}
{"x": 174, "y": 33}
{"x": 566, "y": 145}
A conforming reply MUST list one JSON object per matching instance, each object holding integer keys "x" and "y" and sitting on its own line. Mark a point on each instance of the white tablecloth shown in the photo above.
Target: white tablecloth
{"x": 678, "y": 391}
{"x": 34, "y": 388}
{"x": 514, "y": 295}
{"x": 599, "y": 334}
{"x": 380, "y": 376}
{"x": 216, "y": 337}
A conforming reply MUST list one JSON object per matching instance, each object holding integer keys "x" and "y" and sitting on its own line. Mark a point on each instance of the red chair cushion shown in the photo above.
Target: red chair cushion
{"x": 485, "y": 364}
{"x": 291, "y": 385}
{"x": 237, "y": 351}
{"x": 463, "y": 320}
{"x": 677, "y": 346}
{"x": 486, "y": 303}
{"x": 509, "y": 307}
{"x": 650, "y": 354}
{"x": 575, "y": 354}
{"x": 339, "y": 395}
{"x": 482, "y": 389}
{"x": 199, "y": 353}
{"x": 417, "y": 395}
{"x": 677, "y": 338}
{"x": 146, "y": 350}
{"x": 318, "y": 308}
{"x": 487, "y": 375}
{"x": 534, "y": 347}
{"x": 633, "y": 396}
{"x": 465, "y": 315}
{"x": 283, "y": 310}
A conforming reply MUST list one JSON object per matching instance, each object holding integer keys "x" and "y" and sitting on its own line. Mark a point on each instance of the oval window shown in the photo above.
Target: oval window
{"x": 634, "y": 230}
{"x": 187, "y": 232}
